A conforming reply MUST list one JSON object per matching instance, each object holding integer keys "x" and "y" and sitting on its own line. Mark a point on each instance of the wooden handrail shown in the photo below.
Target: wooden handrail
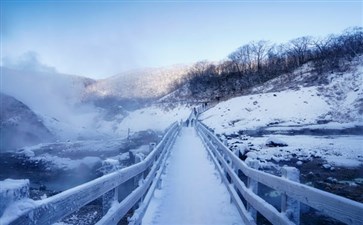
{"x": 340, "y": 208}
{"x": 54, "y": 208}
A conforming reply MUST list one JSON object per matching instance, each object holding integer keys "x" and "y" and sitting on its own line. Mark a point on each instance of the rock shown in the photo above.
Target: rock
{"x": 326, "y": 166}
{"x": 275, "y": 142}
{"x": 332, "y": 180}
{"x": 310, "y": 175}
{"x": 42, "y": 187}
{"x": 240, "y": 149}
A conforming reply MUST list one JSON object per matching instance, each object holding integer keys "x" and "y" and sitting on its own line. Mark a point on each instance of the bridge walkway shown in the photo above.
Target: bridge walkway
{"x": 191, "y": 191}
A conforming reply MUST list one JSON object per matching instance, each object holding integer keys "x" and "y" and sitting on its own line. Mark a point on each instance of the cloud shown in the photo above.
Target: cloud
{"x": 28, "y": 61}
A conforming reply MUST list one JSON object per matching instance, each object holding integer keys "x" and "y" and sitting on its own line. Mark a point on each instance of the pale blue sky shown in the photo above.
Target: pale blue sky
{"x": 102, "y": 38}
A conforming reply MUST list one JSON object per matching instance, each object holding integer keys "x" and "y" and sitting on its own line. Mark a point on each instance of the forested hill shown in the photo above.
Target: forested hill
{"x": 257, "y": 62}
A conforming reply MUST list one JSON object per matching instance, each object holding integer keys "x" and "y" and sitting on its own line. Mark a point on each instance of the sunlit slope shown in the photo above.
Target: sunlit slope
{"x": 335, "y": 103}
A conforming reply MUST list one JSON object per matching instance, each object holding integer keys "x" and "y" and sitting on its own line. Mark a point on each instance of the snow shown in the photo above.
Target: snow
{"x": 155, "y": 117}
{"x": 335, "y": 105}
{"x": 16, "y": 209}
{"x": 10, "y": 184}
{"x": 142, "y": 83}
{"x": 141, "y": 152}
{"x": 331, "y": 125}
{"x": 336, "y": 150}
{"x": 259, "y": 110}
{"x": 56, "y": 162}
{"x": 295, "y": 103}
{"x": 12, "y": 191}
{"x": 273, "y": 142}
{"x": 192, "y": 192}
{"x": 28, "y": 153}
{"x": 73, "y": 147}
{"x": 14, "y": 195}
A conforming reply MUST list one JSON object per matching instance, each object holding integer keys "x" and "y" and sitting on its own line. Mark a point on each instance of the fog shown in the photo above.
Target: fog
{"x": 28, "y": 61}
{"x": 55, "y": 98}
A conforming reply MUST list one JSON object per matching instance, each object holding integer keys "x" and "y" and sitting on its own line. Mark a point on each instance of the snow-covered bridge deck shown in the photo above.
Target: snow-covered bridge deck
{"x": 192, "y": 191}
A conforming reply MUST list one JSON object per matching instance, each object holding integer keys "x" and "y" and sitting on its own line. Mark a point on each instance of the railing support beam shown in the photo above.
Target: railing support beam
{"x": 253, "y": 186}
{"x": 290, "y": 206}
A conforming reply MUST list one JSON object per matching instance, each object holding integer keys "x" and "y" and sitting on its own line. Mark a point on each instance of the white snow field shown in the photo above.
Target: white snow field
{"x": 192, "y": 192}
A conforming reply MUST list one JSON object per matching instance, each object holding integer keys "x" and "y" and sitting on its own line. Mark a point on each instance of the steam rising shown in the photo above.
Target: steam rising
{"x": 56, "y": 98}
{"x": 29, "y": 61}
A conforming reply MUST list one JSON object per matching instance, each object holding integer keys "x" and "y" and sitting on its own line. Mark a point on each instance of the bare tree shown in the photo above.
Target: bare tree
{"x": 321, "y": 45}
{"x": 259, "y": 52}
{"x": 257, "y": 62}
{"x": 199, "y": 68}
{"x": 300, "y": 48}
{"x": 241, "y": 59}
{"x": 352, "y": 39}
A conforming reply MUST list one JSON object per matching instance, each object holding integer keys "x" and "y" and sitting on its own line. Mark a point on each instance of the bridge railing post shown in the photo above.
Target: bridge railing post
{"x": 253, "y": 186}
{"x": 111, "y": 195}
{"x": 12, "y": 191}
{"x": 138, "y": 179}
{"x": 290, "y": 206}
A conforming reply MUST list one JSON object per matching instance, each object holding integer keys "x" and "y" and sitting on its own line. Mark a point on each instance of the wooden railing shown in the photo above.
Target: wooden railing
{"x": 146, "y": 177}
{"x": 146, "y": 173}
{"x": 230, "y": 167}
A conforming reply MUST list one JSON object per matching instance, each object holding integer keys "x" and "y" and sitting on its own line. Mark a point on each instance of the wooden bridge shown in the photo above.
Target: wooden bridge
{"x": 239, "y": 179}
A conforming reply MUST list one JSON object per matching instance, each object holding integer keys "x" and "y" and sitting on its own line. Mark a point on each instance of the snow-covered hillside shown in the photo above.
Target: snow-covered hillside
{"x": 156, "y": 117}
{"x": 254, "y": 111}
{"x": 305, "y": 104}
{"x": 144, "y": 84}
{"x": 336, "y": 104}
{"x": 19, "y": 126}
{"x": 57, "y": 100}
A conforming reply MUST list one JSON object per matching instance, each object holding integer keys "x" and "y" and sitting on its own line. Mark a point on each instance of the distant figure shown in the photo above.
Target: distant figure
{"x": 192, "y": 123}
{"x": 195, "y": 111}
{"x": 187, "y": 122}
